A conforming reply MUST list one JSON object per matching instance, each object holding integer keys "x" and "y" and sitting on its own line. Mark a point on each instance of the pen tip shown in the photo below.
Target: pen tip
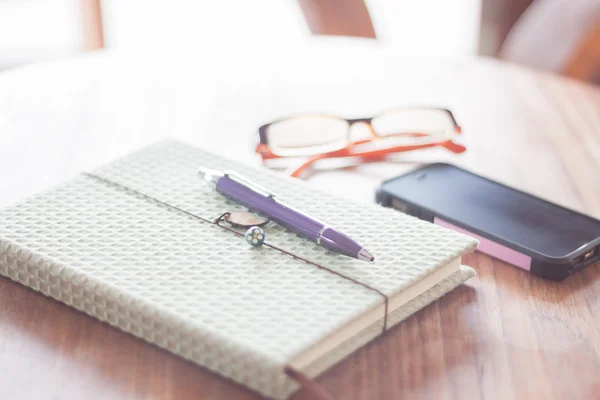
{"x": 364, "y": 255}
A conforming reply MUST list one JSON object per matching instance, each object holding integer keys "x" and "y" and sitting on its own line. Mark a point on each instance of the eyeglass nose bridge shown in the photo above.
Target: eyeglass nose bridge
{"x": 364, "y": 122}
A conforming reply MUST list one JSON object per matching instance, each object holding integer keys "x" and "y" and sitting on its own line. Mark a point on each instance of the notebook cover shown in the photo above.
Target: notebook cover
{"x": 200, "y": 291}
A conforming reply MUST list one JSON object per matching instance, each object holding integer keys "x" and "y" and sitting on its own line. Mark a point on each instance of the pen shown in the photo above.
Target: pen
{"x": 262, "y": 201}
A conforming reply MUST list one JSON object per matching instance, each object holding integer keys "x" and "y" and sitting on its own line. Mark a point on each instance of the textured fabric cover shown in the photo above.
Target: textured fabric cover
{"x": 201, "y": 291}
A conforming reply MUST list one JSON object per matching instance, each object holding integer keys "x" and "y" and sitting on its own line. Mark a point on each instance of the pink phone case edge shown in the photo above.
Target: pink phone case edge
{"x": 491, "y": 248}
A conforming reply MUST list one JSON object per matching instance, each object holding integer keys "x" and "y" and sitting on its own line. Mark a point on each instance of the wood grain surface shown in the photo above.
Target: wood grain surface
{"x": 504, "y": 335}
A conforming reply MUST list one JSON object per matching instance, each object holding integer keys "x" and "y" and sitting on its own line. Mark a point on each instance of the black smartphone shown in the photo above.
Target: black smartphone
{"x": 533, "y": 234}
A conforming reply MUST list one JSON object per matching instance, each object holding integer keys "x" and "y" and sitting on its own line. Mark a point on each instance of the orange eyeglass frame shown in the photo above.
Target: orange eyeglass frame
{"x": 264, "y": 150}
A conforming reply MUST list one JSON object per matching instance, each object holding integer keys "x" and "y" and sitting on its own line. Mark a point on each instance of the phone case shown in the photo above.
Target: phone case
{"x": 539, "y": 264}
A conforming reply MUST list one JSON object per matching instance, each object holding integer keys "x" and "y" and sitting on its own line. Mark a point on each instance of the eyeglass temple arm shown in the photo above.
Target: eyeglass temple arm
{"x": 373, "y": 155}
{"x": 296, "y": 171}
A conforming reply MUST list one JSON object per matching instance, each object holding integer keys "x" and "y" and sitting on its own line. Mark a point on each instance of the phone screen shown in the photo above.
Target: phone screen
{"x": 493, "y": 210}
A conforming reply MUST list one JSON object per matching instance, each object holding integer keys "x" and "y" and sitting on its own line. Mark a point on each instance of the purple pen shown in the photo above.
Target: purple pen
{"x": 263, "y": 202}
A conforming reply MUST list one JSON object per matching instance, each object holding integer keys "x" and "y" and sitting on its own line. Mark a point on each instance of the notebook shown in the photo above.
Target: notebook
{"x": 116, "y": 245}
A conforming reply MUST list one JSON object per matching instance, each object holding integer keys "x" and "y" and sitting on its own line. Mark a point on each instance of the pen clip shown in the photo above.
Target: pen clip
{"x": 248, "y": 183}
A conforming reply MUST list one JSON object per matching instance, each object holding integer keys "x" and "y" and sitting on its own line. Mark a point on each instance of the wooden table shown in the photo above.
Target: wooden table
{"x": 505, "y": 334}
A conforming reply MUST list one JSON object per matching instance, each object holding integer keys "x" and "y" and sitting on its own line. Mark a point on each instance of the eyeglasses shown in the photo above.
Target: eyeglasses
{"x": 316, "y": 137}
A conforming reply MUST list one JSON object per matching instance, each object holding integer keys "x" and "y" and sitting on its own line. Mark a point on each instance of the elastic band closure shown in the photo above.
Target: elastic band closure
{"x": 312, "y": 387}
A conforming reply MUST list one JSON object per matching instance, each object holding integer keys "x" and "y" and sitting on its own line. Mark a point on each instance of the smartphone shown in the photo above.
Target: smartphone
{"x": 533, "y": 234}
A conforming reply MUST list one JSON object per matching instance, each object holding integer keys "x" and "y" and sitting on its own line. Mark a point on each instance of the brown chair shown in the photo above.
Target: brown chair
{"x": 91, "y": 23}
{"x": 323, "y": 17}
{"x": 584, "y": 63}
{"x": 562, "y": 36}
